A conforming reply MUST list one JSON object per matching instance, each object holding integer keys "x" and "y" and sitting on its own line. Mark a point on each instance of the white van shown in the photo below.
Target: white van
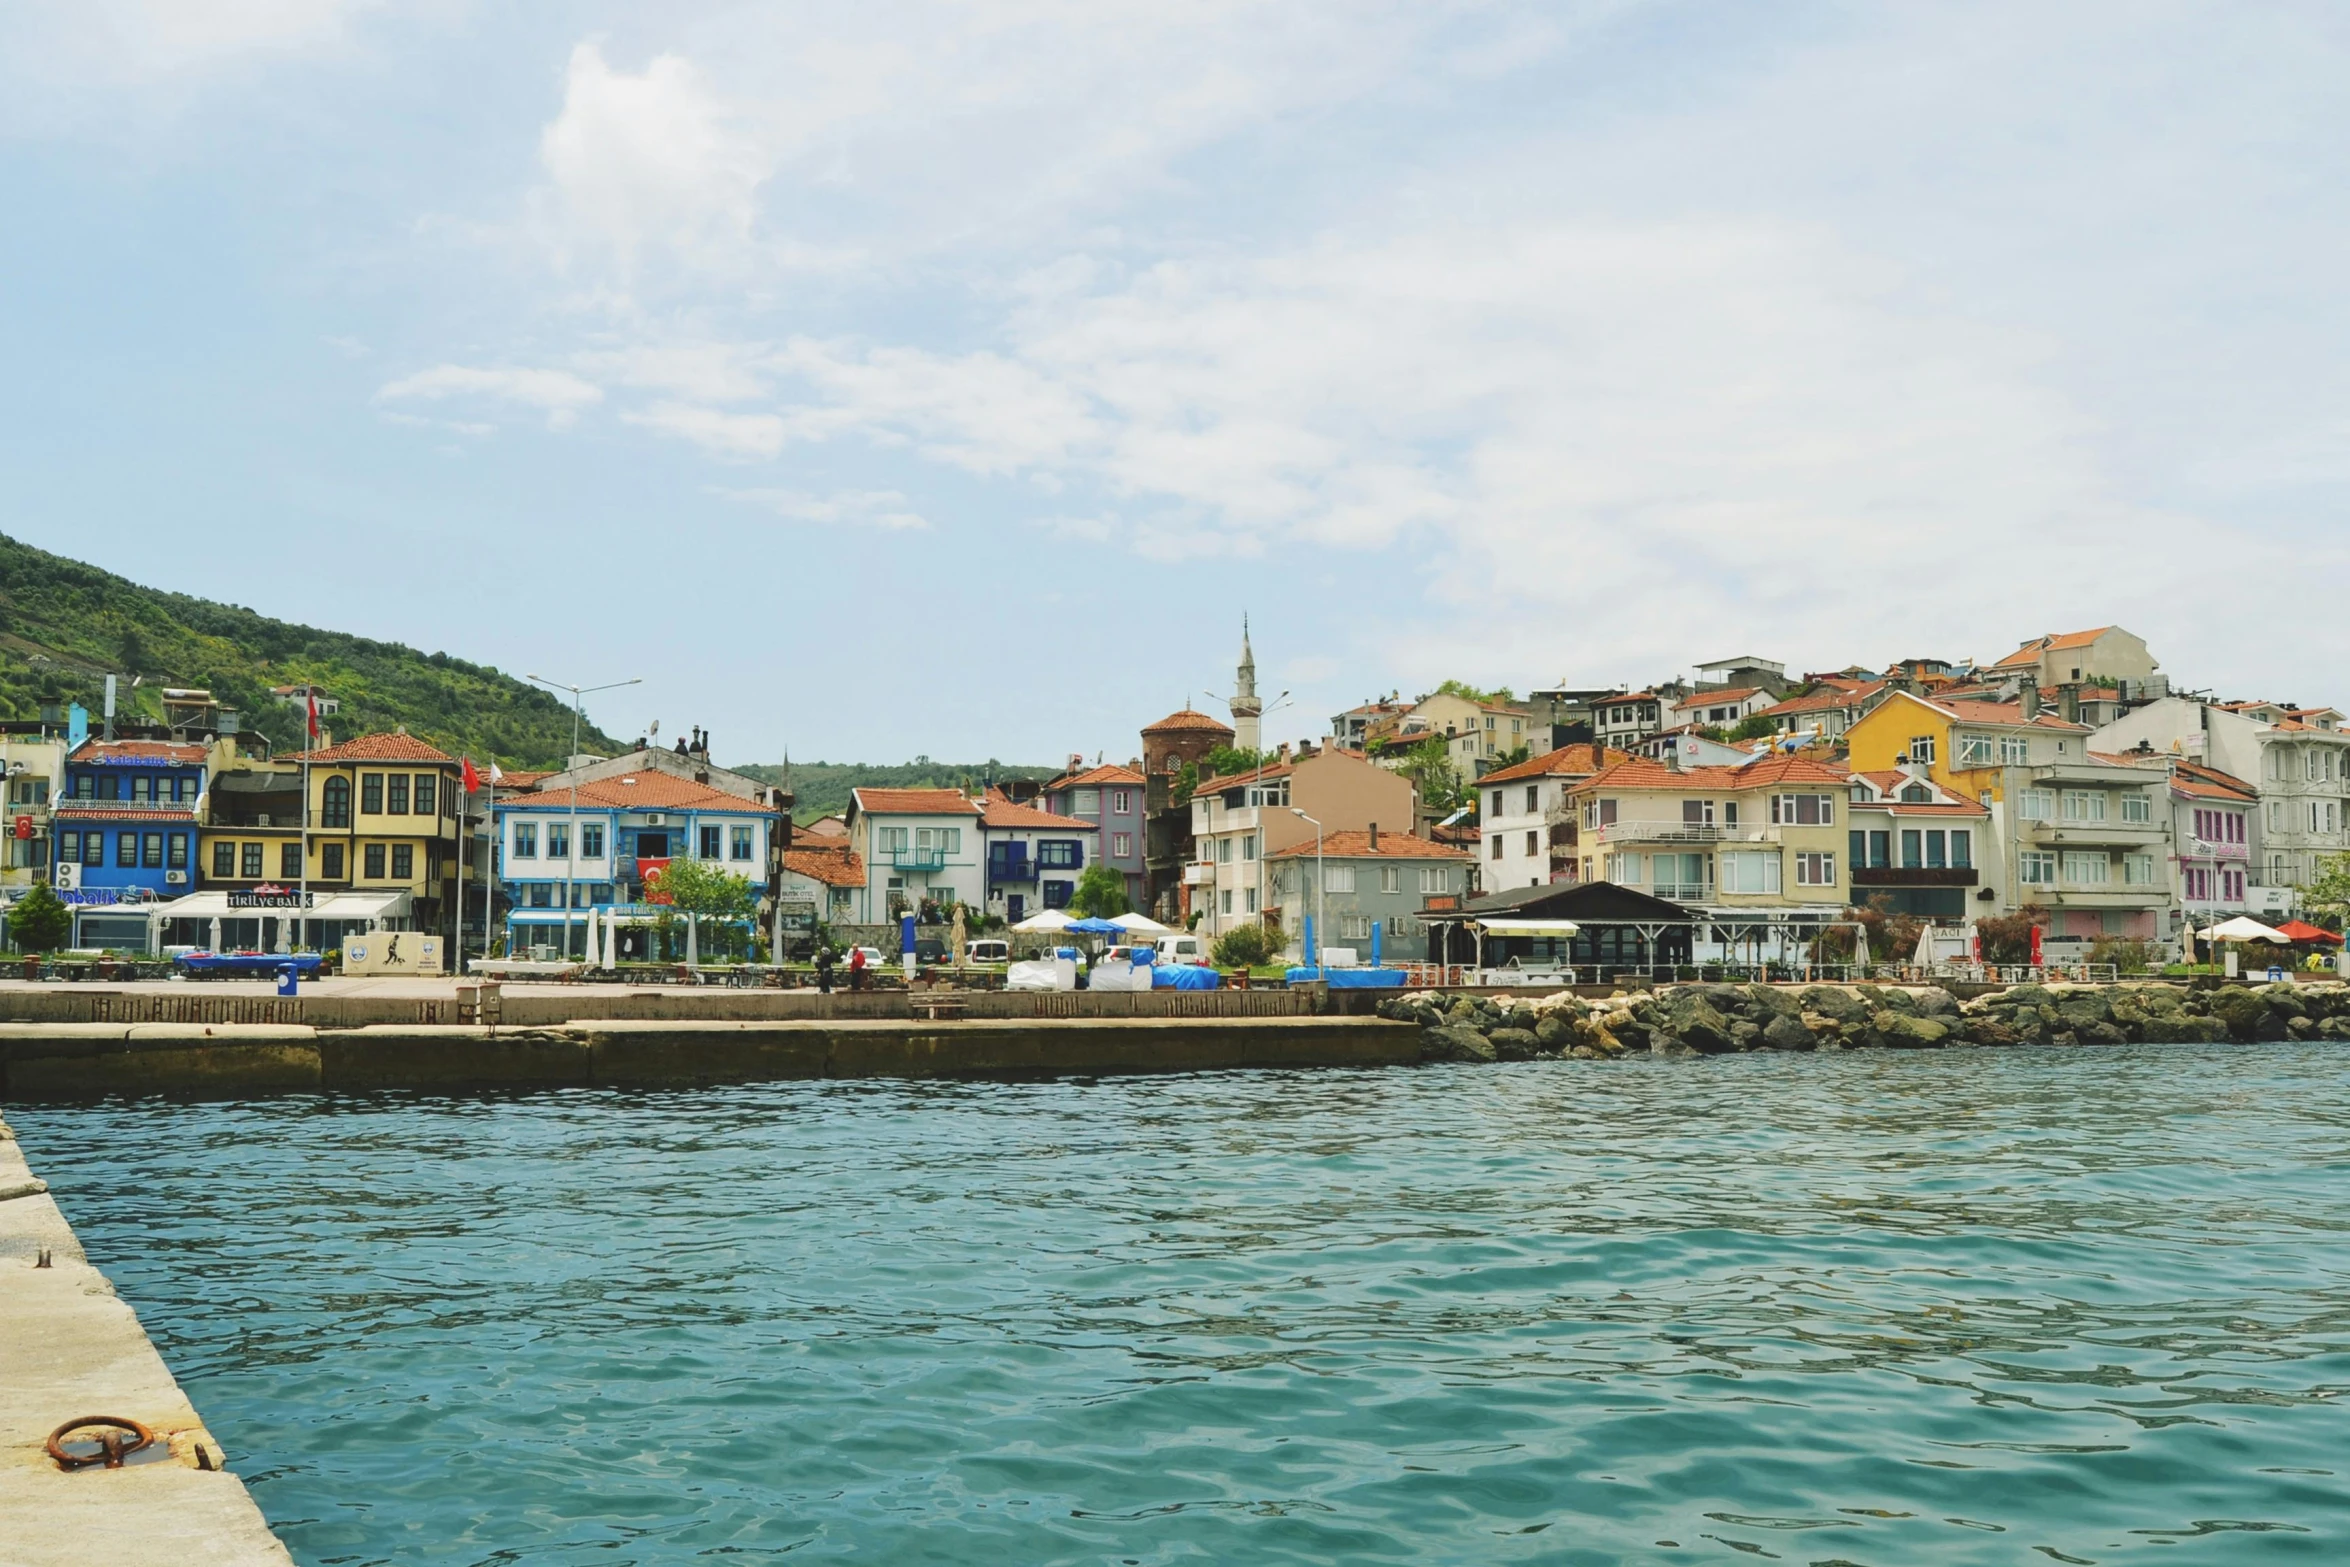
{"x": 1178, "y": 947}
{"x": 988, "y": 950}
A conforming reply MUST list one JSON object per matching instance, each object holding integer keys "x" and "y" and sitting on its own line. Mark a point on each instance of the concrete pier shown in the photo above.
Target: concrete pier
{"x": 69, "y": 1348}
{"x": 79, "y": 1060}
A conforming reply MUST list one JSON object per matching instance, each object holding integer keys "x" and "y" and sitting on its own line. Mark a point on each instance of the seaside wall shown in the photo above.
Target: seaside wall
{"x": 1720, "y": 1019}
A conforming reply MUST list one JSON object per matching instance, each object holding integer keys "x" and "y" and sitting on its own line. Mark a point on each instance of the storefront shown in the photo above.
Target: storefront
{"x": 277, "y": 919}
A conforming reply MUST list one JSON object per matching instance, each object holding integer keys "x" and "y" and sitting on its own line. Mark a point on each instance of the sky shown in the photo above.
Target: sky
{"x": 949, "y": 379}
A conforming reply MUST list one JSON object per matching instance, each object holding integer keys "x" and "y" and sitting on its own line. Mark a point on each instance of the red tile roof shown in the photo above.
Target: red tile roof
{"x": 1110, "y": 773}
{"x": 1840, "y": 694}
{"x": 1701, "y": 698}
{"x": 1764, "y": 773}
{"x": 521, "y": 777}
{"x": 1889, "y": 785}
{"x": 2209, "y": 783}
{"x": 1578, "y": 760}
{"x": 382, "y": 748}
{"x": 73, "y": 809}
{"x": 637, "y": 792}
{"x": 1188, "y": 718}
{"x": 1357, "y": 846}
{"x": 914, "y": 802}
{"x": 996, "y": 811}
{"x": 2008, "y": 715}
{"x": 833, "y": 865}
{"x": 2030, "y": 652}
{"x": 164, "y": 750}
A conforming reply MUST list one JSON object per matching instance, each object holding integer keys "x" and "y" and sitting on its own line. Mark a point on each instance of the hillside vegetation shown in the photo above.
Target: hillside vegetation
{"x": 64, "y": 626}
{"x": 822, "y": 788}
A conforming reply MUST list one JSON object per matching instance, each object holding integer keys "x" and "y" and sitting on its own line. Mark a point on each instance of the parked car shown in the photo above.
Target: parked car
{"x": 989, "y": 950}
{"x": 873, "y": 958}
{"x": 929, "y": 949}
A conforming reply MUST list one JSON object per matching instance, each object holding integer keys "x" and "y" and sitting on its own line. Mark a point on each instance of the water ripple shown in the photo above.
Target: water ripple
{"x": 2087, "y": 1307}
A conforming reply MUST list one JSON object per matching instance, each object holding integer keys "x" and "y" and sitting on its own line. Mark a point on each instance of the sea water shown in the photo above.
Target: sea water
{"x": 1980, "y": 1306}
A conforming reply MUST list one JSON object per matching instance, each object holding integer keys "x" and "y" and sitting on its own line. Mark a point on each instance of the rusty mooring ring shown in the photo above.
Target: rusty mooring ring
{"x": 112, "y": 1450}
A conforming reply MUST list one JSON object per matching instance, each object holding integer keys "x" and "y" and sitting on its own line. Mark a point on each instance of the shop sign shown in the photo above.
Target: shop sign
{"x": 266, "y": 897}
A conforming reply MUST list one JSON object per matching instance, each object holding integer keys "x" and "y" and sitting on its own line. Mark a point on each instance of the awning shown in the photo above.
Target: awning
{"x": 1505, "y": 927}
{"x": 2303, "y": 931}
{"x": 324, "y": 906}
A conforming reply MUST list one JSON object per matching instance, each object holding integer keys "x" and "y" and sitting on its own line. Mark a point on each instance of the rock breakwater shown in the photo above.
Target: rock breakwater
{"x": 1720, "y": 1019}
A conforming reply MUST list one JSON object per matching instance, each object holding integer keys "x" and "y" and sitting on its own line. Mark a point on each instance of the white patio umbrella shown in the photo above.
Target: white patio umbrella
{"x": 1040, "y": 924}
{"x": 1140, "y": 925}
{"x": 2245, "y": 928}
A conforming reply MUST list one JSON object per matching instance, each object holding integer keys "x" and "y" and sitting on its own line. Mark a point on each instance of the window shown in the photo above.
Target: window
{"x": 526, "y": 841}
{"x": 179, "y": 851}
{"x": 893, "y": 840}
{"x": 2014, "y": 750}
{"x": 151, "y": 851}
{"x": 289, "y": 861}
{"x": 1912, "y": 848}
{"x": 1599, "y": 813}
{"x": 950, "y": 840}
{"x": 1533, "y": 845}
{"x": 371, "y": 794}
{"x": 2198, "y": 884}
{"x": 1354, "y": 927}
{"x": 1916, "y": 794}
{"x": 1497, "y": 846}
{"x": 427, "y": 791}
{"x": 1085, "y": 802}
{"x": 397, "y": 802}
{"x": 224, "y": 860}
{"x": 1248, "y": 900}
{"x": 738, "y": 843}
{"x": 711, "y": 838}
{"x": 2138, "y": 869}
{"x": 1697, "y": 813}
{"x": 1338, "y": 878}
{"x": 1224, "y": 901}
{"x": 249, "y": 860}
{"x": 1391, "y": 878}
{"x": 371, "y": 859}
{"x": 558, "y": 840}
{"x": 2036, "y": 805}
{"x": 591, "y": 841}
{"x": 335, "y": 803}
{"x": 1121, "y": 802}
{"x": 1921, "y": 749}
{"x": 330, "y": 861}
{"x": 1750, "y": 870}
{"x": 94, "y": 848}
{"x": 2231, "y": 885}
{"x": 1680, "y": 875}
{"x": 1435, "y": 878}
{"x": 1067, "y": 854}
{"x": 2087, "y": 867}
{"x": 1962, "y": 849}
{"x": 1223, "y": 851}
{"x": 2084, "y": 805}
{"x": 1533, "y": 798}
{"x": 1248, "y": 847}
{"x": 1122, "y": 845}
{"x": 143, "y": 787}
{"x": 1803, "y": 810}
{"x": 1815, "y": 869}
{"x": 403, "y": 862}
{"x": 1623, "y": 869}
{"x": 1974, "y": 750}
{"x": 1495, "y": 808}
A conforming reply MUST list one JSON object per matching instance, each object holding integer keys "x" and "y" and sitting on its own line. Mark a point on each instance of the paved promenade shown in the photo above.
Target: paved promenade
{"x": 69, "y": 1347}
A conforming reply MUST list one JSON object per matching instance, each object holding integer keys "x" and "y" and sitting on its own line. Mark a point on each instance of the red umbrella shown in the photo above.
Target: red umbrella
{"x": 2035, "y": 945}
{"x": 2299, "y": 930}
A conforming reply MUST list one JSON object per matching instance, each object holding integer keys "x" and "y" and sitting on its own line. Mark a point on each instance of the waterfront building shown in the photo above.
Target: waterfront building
{"x": 1355, "y": 883}
{"x": 383, "y": 826}
{"x": 919, "y": 846}
{"x": 822, "y": 879}
{"x": 32, "y": 760}
{"x": 1735, "y": 842}
{"x": 1921, "y": 847}
{"x": 2213, "y": 827}
{"x": 1034, "y": 857}
{"x": 1111, "y": 799}
{"x": 1179, "y": 741}
{"x": 1530, "y": 832}
{"x": 125, "y": 831}
{"x": 1239, "y": 818}
{"x": 567, "y": 847}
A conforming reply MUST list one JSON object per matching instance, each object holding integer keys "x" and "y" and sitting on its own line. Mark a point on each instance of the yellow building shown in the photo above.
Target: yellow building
{"x": 1769, "y": 834}
{"x": 384, "y": 818}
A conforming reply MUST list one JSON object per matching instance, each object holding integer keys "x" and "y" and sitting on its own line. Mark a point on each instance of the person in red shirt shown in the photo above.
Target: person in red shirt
{"x": 856, "y": 968}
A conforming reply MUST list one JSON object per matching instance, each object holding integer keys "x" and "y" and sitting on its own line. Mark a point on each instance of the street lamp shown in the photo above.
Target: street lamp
{"x": 571, "y": 766}
{"x": 1264, "y": 847}
{"x": 1321, "y": 891}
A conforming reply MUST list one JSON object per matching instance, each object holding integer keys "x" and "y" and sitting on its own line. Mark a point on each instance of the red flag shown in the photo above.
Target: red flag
{"x": 472, "y": 778}
{"x": 311, "y": 699}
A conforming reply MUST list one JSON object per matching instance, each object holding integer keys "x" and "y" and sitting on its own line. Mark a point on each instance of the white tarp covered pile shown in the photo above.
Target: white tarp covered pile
{"x": 1042, "y": 974}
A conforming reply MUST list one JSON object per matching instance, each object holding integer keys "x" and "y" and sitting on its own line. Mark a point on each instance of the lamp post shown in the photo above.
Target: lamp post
{"x": 1321, "y": 890}
{"x": 571, "y": 766}
{"x": 1264, "y": 847}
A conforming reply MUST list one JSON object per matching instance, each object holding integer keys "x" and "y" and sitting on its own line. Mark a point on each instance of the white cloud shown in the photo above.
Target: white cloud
{"x": 714, "y": 430}
{"x": 886, "y": 510}
{"x": 453, "y": 426}
{"x": 558, "y": 393}
{"x": 131, "y": 41}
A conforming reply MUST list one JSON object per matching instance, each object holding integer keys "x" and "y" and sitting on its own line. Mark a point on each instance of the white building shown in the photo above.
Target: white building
{"x": 1529, "y": 834}
{"x": 918, "y": 846}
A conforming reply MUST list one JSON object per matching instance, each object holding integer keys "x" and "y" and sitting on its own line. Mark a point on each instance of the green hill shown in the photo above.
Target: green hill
{"x": 65, "y": 626}
{"x": 822, "y": 788}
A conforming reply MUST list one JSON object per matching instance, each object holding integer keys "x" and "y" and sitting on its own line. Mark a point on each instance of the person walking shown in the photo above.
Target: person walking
{"x": 856, "y": 968}
{"x": 824, "y": 968}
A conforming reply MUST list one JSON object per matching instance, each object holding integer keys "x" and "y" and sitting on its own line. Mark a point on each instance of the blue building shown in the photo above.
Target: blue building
{"x": 624, "y": 833}
{"x": 125, "y": 833}
{"x": 1034, "y": 857}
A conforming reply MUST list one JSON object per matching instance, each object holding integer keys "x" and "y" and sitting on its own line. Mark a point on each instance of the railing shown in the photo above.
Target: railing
{"x": 1198, "y": 874}
{"x": 917, "y": 859}
{"x": 1658, "y": 832}
{"x": 1010, "y": 868}
{"x": 1913, "y": 876}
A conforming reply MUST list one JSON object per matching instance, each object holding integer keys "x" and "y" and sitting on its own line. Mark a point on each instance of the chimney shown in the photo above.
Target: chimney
{"x": 1374, "y": 837}
{"x": 2031, "y": 697}
{"x": 2071, "y": 695}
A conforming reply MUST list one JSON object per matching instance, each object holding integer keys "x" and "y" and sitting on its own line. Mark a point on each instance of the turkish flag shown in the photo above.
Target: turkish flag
{"x": 472, "y": 778}
{"x": 311, "y": 699}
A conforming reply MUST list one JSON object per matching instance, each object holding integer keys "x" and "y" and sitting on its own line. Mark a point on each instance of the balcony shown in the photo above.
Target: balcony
{"x": 1662, "y": 832}
{"x": 916, "y": 859}
{"x": 1913, "y": 876}
{"x": 1199, "y": 874}
{"x": 1010, "y": 867}
{"x": 2134, "y": 835}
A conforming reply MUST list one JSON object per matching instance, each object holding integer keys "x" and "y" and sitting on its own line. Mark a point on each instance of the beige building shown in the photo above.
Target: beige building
{"x": 1769, "y": 835}
{"x": 2098, "y": 656}
{"x": 1237, "y": 820}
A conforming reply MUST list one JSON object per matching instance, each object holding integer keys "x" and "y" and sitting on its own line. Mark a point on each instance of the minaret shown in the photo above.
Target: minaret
{"x": 1246, "y": 709}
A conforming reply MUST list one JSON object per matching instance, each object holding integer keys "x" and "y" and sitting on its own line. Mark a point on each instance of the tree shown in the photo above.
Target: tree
{"x": 700, "y": 887}
{"x": 2007, "y": 938}
{"x": 1225, "y": 760}
{"x": 1243, "y": 946}
{"x": 40, "y": 921}
{"x": 1469, "y": 693}
{"x": 1429, "y": 766}
{"x": 2330, "y": 890}
{"x": 1754, "y": 727}
{"x": 1513, "y": 756}
{"x": 1101, "y": 892}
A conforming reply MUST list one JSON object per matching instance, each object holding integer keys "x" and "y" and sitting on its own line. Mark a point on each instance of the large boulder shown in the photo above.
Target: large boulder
{"x": 2241, "y": 1010}
{"x": 1991, "y": 1031}
{"x": 1937, "y": 1002}
{"x": 1902, "y": 1031}
{"x": 1456, "y": 1042}
{"x": 1515, "y": 1044}
{"x": 1786, "y": 1032}
{"x": 1695, "y": 1022}
{"x": 2284, "y": 1000}
{"x": 2080, "y": 1006}
{"x": 1834, "y": 1001}
{"x": 1555, "y": 1031}
{"x": 1770, "y": 1001}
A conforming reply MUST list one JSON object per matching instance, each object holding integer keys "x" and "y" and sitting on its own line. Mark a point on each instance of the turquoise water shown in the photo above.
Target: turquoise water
{"x": 2011, "y": 1307}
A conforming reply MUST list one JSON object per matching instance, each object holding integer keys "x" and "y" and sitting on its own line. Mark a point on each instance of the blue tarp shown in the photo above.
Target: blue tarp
{"x": 1094, "y": 927}
{"x": 1184, "y": 976}
{"x": 264, "y": 964}
{"x": 1349, "y": 978}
